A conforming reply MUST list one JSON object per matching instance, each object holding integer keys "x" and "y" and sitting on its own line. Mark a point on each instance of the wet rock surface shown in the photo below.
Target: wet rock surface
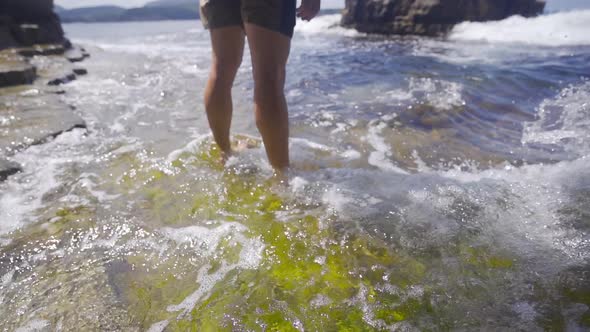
{"x": 63, "y": 80}
{"x": 42, "y": 50}
{"x": 80, "y": 71}
{"x": 77, "y": 54}
{"x": 31, "y": 115}
{"x": 14, "y": 70}
{"x": 32, "y": 121}
{"x": 8, "y": 168}
{"x": 430, "y": 17}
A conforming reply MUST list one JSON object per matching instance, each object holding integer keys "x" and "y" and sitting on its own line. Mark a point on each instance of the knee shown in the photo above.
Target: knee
{"x": 223, "y": 71}
{"x": 269, "y": 85}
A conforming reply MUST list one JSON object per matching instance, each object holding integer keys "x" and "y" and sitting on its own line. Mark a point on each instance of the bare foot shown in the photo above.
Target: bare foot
{"x": 238, "y": 146}
{"x": 244, "y": 142}
{"x": 281, "y": 176}
{"x": 224, "y": 156}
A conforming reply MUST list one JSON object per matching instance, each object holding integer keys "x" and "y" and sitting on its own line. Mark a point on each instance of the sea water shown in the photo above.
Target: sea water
{"x": 437, "y": 184}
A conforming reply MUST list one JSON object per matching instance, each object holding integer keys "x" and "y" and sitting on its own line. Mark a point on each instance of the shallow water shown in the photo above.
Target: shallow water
{"x": 436, "y": 185}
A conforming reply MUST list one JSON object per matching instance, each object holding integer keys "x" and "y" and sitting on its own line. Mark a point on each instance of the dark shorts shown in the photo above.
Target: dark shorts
{"x": 276, "y": 15}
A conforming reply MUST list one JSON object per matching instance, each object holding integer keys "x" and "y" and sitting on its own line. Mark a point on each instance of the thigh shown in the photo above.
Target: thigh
{"x": 227, "y": 45}
{"x": 220, "y": 13}
{"x": 269, "y": 52}
{"x": 276, "y": 15}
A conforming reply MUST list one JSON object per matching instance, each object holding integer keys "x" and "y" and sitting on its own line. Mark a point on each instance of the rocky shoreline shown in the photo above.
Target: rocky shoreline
{"x": 35, "y": 59}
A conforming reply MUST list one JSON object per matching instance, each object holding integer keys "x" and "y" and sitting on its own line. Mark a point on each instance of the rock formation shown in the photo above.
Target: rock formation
{"x": 24, "y": 23}
{"x": 430, "y": 17}
{"x": 34, "y": 114}
{"x": 31, "y": 28}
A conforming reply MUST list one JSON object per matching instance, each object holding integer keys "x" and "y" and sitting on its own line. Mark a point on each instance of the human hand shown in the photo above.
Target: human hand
{"x": 308, "y": 9}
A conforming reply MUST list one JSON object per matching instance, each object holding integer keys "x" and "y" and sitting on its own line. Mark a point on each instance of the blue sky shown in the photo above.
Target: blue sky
{"x": 551, "y": 4}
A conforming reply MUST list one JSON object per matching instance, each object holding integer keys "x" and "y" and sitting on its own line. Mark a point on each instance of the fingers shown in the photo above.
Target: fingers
{"x": 308, "y": 9}
{"x": 303, "y": 12}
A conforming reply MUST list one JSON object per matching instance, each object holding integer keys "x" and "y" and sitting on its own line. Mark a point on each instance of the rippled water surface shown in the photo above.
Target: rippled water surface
{"x": 436, "y": 185}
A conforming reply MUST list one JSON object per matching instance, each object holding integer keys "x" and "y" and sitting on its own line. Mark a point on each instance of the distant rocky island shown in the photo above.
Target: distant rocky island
{"x": 153, "y": 11}
{"x": 430, "y": 17}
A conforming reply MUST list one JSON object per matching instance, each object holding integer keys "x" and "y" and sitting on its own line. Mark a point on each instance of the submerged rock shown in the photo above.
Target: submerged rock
{"x": 77, "y": 54}
{"x": 63, "y": 80}
{"x": 80, "y": 71}
{"x": 8, "y": 168}
{"x": 430, "y": 17}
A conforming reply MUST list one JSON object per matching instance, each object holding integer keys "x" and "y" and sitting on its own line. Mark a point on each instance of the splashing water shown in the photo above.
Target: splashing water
{"x": 436, "y": 185}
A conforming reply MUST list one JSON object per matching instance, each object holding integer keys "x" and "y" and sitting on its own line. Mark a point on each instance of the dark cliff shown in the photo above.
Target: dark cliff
{"x": 24, "y": 23}
{"x": 430, "y": 17}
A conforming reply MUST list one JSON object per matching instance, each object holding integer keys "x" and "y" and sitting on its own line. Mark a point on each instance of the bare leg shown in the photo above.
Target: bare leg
{"x": 270, "y": 51}
{"x": 228, "y": 47}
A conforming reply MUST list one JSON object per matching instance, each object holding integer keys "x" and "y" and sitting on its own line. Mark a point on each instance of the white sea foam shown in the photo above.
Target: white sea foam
{"x": 297, "y": 184}
{"x": 351, "y": 154}
{"x": 560, "y": 29}
{"x": 159, "y": 326}
{"x": 7, "y": 278}
{"x": 190, "y": 147}
{"x": 380, "y": 158}
{"x": 205, "y": 241}
{"x": 337, "y": 199}
{"x": 563, "y": 121}
{"x": 325, "y": 24}
{"x": 34, "y": 325}
{"x": 441, "y": 94}
{"x": 23, "y": 193}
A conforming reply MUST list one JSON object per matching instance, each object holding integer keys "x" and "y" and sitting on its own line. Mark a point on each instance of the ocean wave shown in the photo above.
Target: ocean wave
{"x": 560, "y": 29}
{"x": 563, "y": 121}
{"x": 325, "y": 24}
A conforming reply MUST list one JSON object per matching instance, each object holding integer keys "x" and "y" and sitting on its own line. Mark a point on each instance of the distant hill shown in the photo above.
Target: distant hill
{"x": 154, "y": 11}
{"x": 330, "y": 11}
{"x": 159, "y": 13}
{"x": 92, "y": 14}
{"x": 174, "y": 3}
